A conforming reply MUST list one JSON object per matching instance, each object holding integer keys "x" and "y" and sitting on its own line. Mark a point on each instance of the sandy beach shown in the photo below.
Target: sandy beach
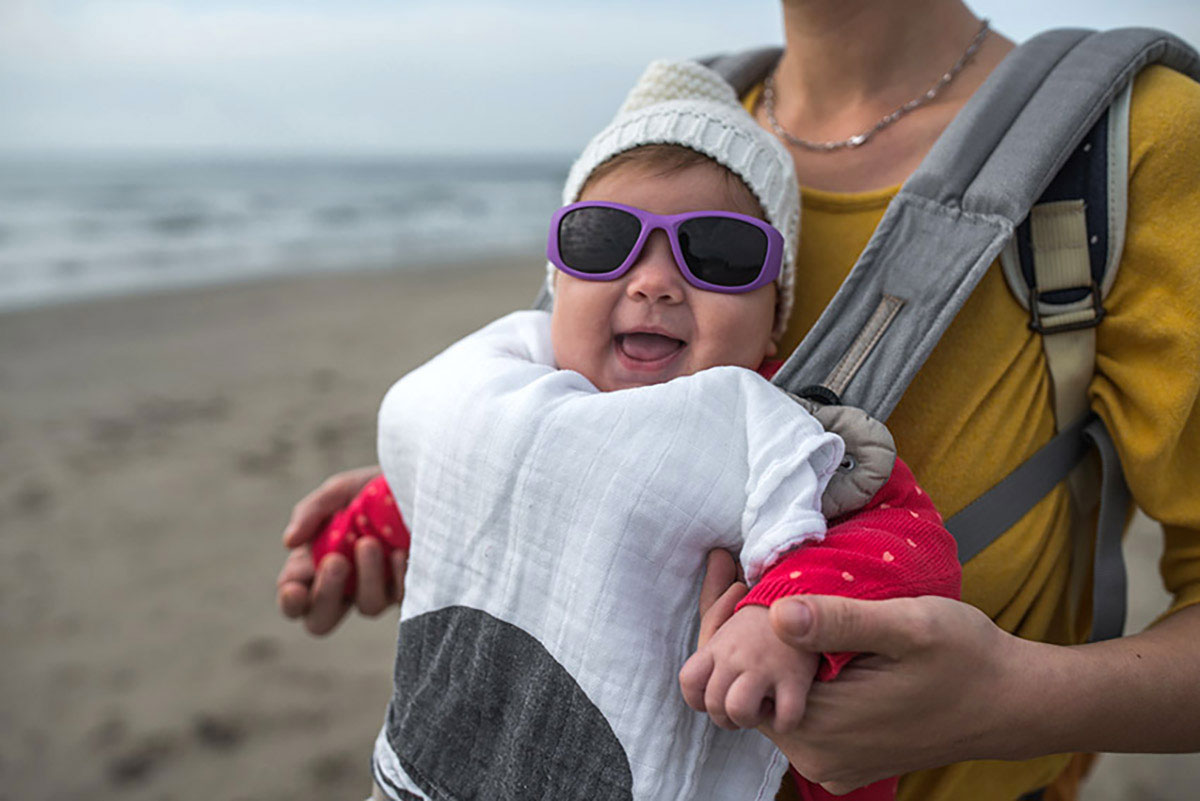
{"x": 150, "y": 450}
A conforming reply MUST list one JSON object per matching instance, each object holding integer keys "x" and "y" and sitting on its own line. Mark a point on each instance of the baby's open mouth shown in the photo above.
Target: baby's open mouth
{"x": 647, "y": 347}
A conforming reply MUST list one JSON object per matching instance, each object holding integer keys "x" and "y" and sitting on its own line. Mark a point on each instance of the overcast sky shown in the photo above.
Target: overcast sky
{"x": 384, "y": 76}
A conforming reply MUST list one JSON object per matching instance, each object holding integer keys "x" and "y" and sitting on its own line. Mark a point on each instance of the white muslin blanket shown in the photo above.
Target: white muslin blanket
{"x": 559, "y": 536}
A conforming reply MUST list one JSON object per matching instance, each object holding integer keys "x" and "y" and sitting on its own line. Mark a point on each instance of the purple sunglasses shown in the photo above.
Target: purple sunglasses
{"x": 719, "y": 251}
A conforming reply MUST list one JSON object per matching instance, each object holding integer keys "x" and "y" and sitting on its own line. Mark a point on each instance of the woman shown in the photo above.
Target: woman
{"x": 948, "y": 682}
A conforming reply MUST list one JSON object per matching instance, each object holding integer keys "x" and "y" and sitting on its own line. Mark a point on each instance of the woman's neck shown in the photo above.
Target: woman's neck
{"x": 847, "y": 63}
{"x": 876, "y": 53}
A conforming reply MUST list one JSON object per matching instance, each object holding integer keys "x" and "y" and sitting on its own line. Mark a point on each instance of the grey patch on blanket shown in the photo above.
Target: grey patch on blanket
{"x": 482, "y": 710}
{"x": 401, "y": 794}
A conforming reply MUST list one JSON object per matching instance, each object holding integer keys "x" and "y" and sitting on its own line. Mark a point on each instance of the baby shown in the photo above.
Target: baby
{"x": 565, "y": 475}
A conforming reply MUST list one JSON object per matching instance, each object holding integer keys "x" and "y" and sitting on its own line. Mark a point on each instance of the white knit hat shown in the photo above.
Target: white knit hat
{"x": 685, "y": 103}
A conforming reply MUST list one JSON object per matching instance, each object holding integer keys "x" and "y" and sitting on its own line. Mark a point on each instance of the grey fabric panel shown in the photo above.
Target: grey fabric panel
{"x": 483, "y": 711}
{"x": 1108, "y": 582}
{"x": 745, "y": 69}
{"x": 928, "y": 255}
{"x": 987, "y": 517}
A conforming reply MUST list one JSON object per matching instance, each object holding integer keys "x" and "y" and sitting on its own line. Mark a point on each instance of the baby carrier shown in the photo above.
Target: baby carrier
{"x": 1033, "y": 170}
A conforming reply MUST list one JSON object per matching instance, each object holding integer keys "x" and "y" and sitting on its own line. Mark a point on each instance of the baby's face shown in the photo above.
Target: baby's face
{"x": 650, "y": 325}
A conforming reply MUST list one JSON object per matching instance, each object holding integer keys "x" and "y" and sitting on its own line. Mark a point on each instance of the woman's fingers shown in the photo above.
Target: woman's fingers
{"x": 789, "y": 706}
{"x": 294, "y": 582}
{"x": 719, "y": 594}
{"x": 721, "y": 610}
{"x": 719, "y": 574}
{"x": 315, "y": 508}
{"x": 292, "y": 600}
{"x": 371, "y": 587}
{"x": 327, "y": 605}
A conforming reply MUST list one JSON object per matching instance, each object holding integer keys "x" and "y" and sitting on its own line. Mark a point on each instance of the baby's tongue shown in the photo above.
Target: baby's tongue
{"x": 649, "y": 347}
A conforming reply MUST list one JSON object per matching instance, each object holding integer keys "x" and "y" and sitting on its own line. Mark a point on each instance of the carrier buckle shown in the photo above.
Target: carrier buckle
{"x": 1066, "y": 321}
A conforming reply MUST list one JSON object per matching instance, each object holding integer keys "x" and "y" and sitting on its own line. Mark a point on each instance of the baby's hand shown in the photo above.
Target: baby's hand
{"x": 745, "y": 676}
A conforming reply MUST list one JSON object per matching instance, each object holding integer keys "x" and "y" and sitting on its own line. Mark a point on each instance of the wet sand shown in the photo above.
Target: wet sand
{"x": 150, "y": 449}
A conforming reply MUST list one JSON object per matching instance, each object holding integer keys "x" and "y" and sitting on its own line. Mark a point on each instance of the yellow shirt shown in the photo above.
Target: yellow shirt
{"x": 982, "y": 403}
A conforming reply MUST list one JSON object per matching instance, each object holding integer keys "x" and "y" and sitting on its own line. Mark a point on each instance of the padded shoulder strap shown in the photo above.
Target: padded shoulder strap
{"x": 956, "y": 212}
{"x": 1001, "y": 152}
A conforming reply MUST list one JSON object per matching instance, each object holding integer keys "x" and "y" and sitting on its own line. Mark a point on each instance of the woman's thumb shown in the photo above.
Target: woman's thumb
{"x": 829, "y": 624}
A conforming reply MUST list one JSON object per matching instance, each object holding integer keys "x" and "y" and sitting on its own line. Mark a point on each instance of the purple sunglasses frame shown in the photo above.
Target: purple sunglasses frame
{"x": 669, "y": 223}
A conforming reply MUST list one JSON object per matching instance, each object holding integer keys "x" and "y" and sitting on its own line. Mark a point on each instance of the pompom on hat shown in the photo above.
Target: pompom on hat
{"x": 685, "y": 103}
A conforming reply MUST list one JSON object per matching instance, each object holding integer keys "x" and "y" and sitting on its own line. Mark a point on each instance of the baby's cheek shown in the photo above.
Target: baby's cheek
{"x": 735, "y": 329}
{"x": 574, "y": 328}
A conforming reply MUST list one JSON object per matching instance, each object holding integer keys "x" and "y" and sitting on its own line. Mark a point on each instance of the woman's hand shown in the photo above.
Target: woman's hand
{"x": 720, "y": 593}
{"x": 302, "y": 591}
{"x": 936, "y": 682}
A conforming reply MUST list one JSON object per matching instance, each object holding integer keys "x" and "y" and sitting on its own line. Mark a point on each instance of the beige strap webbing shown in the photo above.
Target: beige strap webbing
{"x": 1059, "y": 239}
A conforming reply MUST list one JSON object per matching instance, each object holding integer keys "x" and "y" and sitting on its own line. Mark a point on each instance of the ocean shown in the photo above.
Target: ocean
{"x": 86, "y": 227}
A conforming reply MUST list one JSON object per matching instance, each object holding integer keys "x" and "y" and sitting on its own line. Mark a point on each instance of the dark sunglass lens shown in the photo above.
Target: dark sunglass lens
{"x": 723, "y": 251}
{"x": 596, "y": 239}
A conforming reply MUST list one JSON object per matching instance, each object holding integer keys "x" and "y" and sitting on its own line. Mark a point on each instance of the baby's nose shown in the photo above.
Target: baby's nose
{"x": 655, "y": 276}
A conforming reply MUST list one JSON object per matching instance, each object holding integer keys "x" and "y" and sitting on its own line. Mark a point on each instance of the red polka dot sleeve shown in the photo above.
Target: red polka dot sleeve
{"x": 894, "y": 547}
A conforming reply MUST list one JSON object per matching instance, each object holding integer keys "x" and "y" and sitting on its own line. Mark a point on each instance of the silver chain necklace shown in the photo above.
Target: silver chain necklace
{"x": 865, "y": 136}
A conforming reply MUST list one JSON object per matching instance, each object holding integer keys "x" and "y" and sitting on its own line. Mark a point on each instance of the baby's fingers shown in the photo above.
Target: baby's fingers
{"x": 693, "y": 679}
{"x": 747, "y": 703}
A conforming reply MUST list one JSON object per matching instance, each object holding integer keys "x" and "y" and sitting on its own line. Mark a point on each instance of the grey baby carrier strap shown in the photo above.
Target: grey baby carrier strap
{"x": 1033, "y": 169}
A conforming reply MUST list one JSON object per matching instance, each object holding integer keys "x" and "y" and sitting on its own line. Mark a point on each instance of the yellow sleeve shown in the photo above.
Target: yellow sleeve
{"x": 1147, "y": 381}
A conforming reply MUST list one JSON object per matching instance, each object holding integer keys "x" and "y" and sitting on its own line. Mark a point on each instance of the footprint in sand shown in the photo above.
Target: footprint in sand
{"x": 220, "y": 733}
{"x": 331, "y": 769}
{"x": 259, "y": 651}
{"x": 141, "y": 761}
